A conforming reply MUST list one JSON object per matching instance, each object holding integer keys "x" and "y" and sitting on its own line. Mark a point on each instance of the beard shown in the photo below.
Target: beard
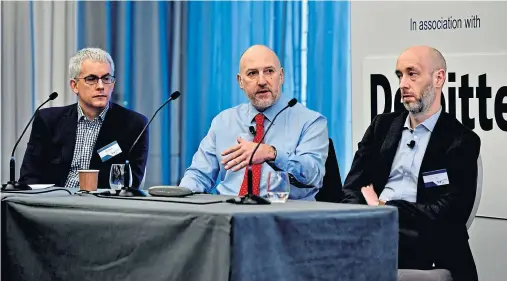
{"x": 263, "y": 103}
{"x": 423, "y": 103}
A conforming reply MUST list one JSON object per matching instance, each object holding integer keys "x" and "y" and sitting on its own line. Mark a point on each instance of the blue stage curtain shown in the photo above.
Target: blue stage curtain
{"x": 328, "y": 78}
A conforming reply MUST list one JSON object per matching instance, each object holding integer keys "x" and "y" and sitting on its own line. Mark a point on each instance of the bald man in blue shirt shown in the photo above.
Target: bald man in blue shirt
{"x": 297, "y": 143}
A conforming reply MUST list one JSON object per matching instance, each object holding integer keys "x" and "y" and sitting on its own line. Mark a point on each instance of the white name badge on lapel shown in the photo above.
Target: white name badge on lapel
{"x": 435, "y": 178}
{"x": 109, "y": 151}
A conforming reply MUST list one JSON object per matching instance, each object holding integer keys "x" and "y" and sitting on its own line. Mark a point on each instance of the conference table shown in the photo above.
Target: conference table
{"x": 76, "y": 236}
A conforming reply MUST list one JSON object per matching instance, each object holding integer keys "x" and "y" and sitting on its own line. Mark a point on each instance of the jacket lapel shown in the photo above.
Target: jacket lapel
{"x": 437, "y": 145}
{"x": 69, "y": 130}
{"x": 390, "y": 146}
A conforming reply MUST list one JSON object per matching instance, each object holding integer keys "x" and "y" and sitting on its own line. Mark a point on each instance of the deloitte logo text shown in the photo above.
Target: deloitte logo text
{"x": 482, "y": 93}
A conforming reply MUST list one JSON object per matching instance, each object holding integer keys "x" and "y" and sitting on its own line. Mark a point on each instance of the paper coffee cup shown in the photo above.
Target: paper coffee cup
{"x": 88, "y": 179}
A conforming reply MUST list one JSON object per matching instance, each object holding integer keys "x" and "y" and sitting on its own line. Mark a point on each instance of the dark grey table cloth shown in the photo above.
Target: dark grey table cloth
{"x": 84, "y": 237}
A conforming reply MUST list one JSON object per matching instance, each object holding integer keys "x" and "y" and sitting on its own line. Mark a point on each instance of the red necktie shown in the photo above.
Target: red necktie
{"x": 256, "y": 168}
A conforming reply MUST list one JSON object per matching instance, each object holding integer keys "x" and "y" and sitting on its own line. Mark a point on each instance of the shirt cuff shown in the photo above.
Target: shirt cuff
{"x": 282, "y": 159}
{"x": 191, "y": 184}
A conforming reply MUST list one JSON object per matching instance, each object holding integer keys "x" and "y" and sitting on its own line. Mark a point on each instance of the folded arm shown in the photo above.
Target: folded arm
{"x": 358, "y": 175}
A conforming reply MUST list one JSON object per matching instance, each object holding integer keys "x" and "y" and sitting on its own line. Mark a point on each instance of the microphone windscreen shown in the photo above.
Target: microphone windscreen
{"x": 53, "y": 95}
{"x": 175, "y": 95}
{"x": 293, "y": 102}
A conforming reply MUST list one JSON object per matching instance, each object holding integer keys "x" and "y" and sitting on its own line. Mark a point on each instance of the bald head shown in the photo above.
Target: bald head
{"x": 421, "y": 71}
{"x": 260, "y": 76}
{"x": 434, "y": 59}
{"x": 256, "y": 53}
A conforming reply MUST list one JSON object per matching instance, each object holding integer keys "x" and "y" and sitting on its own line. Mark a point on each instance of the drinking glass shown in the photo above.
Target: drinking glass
{"x": 117, "y": 176}
{"x": 278, "y": 186}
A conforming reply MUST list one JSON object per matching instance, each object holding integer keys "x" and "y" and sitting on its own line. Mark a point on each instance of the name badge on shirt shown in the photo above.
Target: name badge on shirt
{"x": 109, "y": 151}
{"x": 435, "y": 178}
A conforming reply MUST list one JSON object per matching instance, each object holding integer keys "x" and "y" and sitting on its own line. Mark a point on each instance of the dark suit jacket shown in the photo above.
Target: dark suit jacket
{"x": 432, "y": 230}
{"x": 50, "y": 150}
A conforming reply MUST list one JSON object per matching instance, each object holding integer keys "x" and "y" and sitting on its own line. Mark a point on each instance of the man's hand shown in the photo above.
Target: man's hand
{"x": 370, "y": 195}
{"x": 237, "y": 157}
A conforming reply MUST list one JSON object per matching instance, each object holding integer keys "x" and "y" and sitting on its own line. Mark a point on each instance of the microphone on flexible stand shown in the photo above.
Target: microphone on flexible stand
{"x": 12, "y": 184}
{"x": 127, "y": 190}
{"x": 250, "y": 198}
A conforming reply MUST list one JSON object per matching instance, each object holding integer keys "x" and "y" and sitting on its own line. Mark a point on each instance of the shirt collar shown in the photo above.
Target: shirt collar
{"x": 80, "y": 113}
{"x": 269, "y": 112}
{"x": 428, "y": 123}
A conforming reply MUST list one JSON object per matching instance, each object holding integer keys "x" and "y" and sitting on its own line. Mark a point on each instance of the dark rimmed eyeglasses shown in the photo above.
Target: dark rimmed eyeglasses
{"x": 94, "y": 79}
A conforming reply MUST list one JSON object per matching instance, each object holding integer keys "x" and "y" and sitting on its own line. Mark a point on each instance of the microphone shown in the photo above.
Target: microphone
{"x": 252, "y": 130}
{"x": 127, "y": 190}
{"x": 250, "y": 198}
{"x": 12, "y": 184}
{"x": 411, "y": 144}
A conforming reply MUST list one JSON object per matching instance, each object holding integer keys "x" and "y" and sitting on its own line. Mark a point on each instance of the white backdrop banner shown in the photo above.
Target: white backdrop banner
{"x": 472, "y": 38}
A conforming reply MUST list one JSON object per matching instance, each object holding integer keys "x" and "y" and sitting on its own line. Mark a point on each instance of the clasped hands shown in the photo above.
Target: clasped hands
{"x": 371, "y": 196}
{"x": 237, "y": 156}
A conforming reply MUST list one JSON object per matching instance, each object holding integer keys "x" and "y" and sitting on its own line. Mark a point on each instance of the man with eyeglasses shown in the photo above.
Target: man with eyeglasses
{"x": 90, "y": 134}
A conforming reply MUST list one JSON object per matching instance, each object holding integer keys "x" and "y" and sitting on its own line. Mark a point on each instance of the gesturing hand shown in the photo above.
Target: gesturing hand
{"x": 237, "y": 156}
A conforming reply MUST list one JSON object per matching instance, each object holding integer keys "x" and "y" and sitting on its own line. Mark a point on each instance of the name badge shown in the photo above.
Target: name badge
{"x": 435, "y": 178}
{"x": 109, "y": 151}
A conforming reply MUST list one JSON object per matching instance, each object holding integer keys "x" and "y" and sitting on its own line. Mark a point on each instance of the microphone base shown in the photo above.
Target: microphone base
{"x": 14, "y": 185}
{"x": 249, "y": 199}
{"x": 131, "y": 192}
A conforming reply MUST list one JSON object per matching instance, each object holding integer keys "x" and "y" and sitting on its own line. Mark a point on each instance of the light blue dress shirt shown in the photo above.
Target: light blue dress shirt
{"x": 299, "y": 135}
{"x": 402, "y": 182}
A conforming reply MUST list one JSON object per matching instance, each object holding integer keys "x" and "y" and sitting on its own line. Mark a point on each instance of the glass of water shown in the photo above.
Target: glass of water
{"x": 278, "y": 187}
{"x": 117, "y": 176}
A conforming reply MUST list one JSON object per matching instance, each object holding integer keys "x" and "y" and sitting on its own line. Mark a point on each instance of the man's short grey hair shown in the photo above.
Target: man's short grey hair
{"x": 93, "y": 54}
